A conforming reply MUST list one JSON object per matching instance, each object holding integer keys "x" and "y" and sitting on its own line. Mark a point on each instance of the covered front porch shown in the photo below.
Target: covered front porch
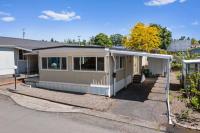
{"x": 159, "y": 66}
{"x": 32, "y": 65}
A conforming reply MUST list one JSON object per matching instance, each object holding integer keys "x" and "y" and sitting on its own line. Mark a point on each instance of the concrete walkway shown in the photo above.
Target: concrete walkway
{"x": 43, "y": 105}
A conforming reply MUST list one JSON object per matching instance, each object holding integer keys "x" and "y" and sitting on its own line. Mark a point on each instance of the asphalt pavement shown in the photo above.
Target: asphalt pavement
{"x": 17, "y": 119}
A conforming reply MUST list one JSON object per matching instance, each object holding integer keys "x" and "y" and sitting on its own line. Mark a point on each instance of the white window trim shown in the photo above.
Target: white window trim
{"x": 87, "y": 70}
{"x": 54, "y": 69}
{"x": 119, "y": 69}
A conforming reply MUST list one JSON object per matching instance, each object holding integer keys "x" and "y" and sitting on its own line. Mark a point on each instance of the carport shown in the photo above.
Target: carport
{"x": 158, "y": 63}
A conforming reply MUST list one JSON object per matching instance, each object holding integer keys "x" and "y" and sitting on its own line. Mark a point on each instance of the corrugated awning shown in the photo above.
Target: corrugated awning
{"x": 135, "y": 53}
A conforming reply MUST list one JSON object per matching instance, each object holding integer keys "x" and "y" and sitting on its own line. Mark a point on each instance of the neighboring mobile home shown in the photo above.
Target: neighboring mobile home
{"x": 189, "y": 67}
{"x": 12, "y": 52}
{"x": 180, "y": 45}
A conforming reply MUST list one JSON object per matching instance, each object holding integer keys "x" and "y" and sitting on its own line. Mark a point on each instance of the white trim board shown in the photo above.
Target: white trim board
{"x": 126, "y": 52}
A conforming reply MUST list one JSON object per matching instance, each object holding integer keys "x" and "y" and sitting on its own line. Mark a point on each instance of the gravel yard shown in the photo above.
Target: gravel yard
{"x": 182, "y": 112}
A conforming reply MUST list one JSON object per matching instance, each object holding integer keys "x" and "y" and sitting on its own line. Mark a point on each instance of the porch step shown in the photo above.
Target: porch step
{"x": 137, "y": 78}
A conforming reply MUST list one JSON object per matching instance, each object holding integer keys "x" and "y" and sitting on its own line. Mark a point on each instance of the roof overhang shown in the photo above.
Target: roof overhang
{"x": 23, "y": 49}
{"x": 191, "y": 61}
{"x": 14, "y": 46}
{"x": 31, "y": 53}
{"x": 136, "y": 53}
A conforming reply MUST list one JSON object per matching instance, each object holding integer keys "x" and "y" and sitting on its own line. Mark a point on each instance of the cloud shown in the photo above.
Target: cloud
{"x": 43, "y": 17}
{"x": 182, "y": 1}
{"x": 159, "y": 2}
{"x": 4, "y": 13}
{"x": 195, "y": 23}
{"x": 162, "y": 2}
{"x": 6, "y": 17}
{"x": 62, "y": 16}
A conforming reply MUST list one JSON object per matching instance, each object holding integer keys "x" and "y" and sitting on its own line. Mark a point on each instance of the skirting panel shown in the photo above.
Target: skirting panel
{"x": 92, "y": 89}
{"x": 122, "y": 83}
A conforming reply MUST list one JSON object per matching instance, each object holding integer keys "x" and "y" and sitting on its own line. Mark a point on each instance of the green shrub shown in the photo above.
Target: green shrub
{"x": 183, "y": 115}
{"x": 178, "y": 76}
{"x": 195, "y": 102}
{"x": 176, "y": 66}
{"x": 192, "y": 91}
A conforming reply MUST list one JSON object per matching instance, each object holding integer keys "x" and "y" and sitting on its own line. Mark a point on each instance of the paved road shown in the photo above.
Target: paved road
{"x": 17, "y": 119}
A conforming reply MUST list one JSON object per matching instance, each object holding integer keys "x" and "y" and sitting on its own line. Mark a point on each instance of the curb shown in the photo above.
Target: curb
{"x": 182, "y": 125}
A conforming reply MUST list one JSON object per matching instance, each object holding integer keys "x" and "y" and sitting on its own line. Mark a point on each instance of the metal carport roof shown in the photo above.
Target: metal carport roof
{"x": 136, "y": 53}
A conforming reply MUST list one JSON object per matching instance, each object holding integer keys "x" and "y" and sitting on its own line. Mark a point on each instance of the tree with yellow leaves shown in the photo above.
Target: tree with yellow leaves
{"x": 143, "y": 38}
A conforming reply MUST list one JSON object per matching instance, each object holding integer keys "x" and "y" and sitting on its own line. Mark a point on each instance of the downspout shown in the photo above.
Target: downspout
{"x": 114, "y": 74}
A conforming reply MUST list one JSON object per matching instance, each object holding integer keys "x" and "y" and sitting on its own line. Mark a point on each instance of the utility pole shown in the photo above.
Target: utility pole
{"x": 23, "y": 33}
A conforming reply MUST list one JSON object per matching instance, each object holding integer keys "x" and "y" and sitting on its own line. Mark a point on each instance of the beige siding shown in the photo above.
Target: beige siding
{"x": 71, "y": 76}
{"x": 127, "y": 70}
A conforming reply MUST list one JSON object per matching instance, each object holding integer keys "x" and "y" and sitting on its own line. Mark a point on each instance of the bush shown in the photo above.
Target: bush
{"x": 178, "y": 76}
{"x": 176, "y": 66}
{"x": 192, "y": 91}
{"x": 183, "y": 115}
{"x": 195, "y": 102}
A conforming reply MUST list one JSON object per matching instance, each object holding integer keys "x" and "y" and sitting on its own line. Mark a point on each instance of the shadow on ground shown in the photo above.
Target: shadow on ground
{"x": 136, "y": 92}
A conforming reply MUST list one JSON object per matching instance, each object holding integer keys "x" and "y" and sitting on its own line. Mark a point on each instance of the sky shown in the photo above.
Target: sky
{"x": 63, "y": 19}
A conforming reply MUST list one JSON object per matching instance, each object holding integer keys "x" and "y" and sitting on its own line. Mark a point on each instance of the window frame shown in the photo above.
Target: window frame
{"x": 87, "y": 70}
{"x": 60, "y": 58}
{"x": 119, "y": 63}
{"x": 24, "y": 57}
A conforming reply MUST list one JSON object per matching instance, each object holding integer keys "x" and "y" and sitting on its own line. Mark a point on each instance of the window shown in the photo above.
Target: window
{"x": 89, "y": 63}
{"x": 53, "y": 63}
{"x": 64, "y": 63}
{"x": 21, "y": 55}
{"x": 59, "y": 63}
{"x": 100, "y": 63}
{"x": 120, "y": 62}
{"x": 44, "y": 63}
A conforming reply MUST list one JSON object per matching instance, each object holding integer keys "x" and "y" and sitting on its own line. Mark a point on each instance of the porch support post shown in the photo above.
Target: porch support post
{"x": 126, "y": 71}
{"x": 109, "y": 74}
{"x": 27, "y": 65}
{"x": 167, "y": 89}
